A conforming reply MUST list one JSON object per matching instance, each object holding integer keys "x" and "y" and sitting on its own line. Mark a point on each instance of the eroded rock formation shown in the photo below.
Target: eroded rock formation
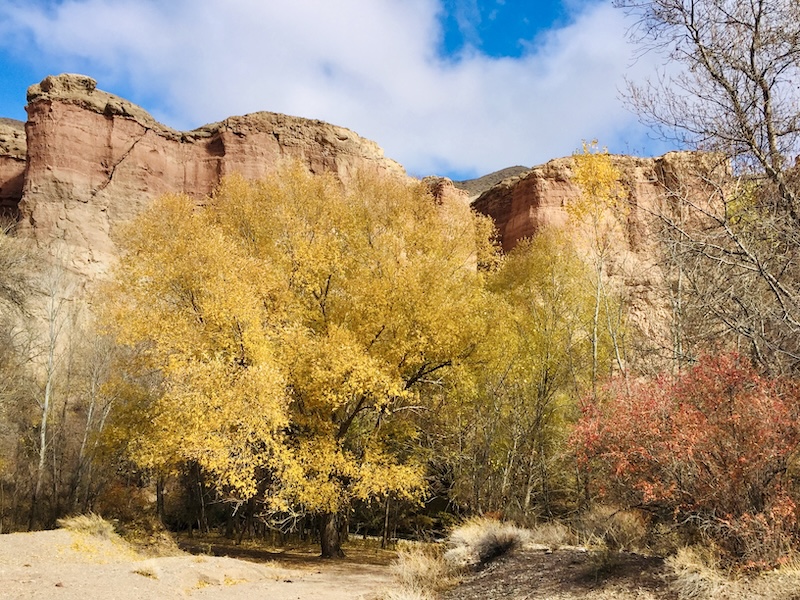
{"x": 525, "y": 203}
{"x": 13, "y": 149}
{"x": 95, "y": 160}
{"x": 522, "y": 204}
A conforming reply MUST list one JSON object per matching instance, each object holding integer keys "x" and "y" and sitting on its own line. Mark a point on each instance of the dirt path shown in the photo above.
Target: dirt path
{"x": 65, "y": 565}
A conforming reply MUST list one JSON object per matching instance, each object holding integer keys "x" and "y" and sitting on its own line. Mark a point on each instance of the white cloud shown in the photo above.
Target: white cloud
{"x": 370, "y": 66}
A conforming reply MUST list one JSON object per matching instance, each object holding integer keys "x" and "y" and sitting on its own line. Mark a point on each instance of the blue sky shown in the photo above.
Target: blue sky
{"x": 452, "y": 87}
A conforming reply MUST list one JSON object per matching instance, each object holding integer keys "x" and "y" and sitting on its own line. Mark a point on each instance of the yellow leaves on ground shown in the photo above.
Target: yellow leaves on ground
{"x": 293, "y": 323}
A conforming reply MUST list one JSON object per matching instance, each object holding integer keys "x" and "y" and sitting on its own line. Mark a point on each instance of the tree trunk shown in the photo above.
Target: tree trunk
{"x": 160, "y": 512}
{"x": 330, "y": 536}
{"x": 385, "y": 536}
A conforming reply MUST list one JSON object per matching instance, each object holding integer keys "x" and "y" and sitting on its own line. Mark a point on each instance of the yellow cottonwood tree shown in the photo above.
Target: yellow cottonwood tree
{"x": 507, "y": 439}
{"x": 188, "y": 301}
{"x": 601, "y": 209}
{"x": 298, "y": 325}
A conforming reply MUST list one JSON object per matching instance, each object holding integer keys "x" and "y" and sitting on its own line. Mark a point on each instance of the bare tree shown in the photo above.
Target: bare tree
{"x": 96, "y": 361}
{"x": 733, "y": 93}
{"x": 57, "y": 316}
{"x": 736, "y": 92}
{"x": 17, "y": 270}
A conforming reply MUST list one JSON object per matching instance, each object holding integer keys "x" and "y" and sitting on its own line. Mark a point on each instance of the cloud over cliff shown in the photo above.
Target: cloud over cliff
{"x": 376, "y": 67}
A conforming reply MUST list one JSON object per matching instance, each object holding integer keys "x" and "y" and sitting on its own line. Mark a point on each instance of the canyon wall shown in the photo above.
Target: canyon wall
{"x": 88, "y": 160}
{"x": 95, "y": 160}
{"x": 523, "y": 204}
{"x": 654, "y": 189}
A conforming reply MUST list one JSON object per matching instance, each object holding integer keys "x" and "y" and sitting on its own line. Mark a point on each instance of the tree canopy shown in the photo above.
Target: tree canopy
{"x": 297, "y": 325}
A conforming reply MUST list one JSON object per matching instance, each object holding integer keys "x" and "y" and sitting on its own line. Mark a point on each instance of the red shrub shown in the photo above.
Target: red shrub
{"x": 710, "y": 448}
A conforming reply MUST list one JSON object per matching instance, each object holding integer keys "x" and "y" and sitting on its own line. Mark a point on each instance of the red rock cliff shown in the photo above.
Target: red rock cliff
{"x": 523, "y": 204}
{"x": 95, "y": 160}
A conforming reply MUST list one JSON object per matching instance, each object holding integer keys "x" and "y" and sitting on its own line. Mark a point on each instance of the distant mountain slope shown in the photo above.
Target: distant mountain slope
{"x": 475, "y": 187}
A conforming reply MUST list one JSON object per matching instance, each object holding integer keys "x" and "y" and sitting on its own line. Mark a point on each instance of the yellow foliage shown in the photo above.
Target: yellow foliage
{"x": 602, "y": 208}
{"x": 543, "y": 284}
{"x": 293, "y": 323}
{"x": 506, "y": 433}
{"x": 599, "y": 180}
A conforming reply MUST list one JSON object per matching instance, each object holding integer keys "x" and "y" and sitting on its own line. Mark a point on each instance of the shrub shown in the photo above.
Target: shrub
{"x": 480, "y": 540}
{"x": 708, "y": 449}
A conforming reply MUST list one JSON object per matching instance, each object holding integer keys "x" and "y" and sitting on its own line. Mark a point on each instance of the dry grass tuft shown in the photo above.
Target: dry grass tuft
{"x": 149, "y": 537}
{"x": 696, "y": 573}
{"x": 96, "y": 540}
{"x": 553, "y": 535}
{"x": 420, "y": 572}
{"x": 90, "y": 524}
{"x": 481, "y": 540}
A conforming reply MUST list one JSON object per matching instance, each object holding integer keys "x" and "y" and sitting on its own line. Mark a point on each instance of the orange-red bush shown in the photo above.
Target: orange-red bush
{"x": 709, "y": 448}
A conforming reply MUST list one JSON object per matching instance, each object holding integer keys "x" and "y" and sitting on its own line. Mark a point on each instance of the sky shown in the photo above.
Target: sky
{"x": 458, "y": 88}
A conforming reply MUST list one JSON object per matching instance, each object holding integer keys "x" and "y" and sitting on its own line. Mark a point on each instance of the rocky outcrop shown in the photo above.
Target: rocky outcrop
{"x": 95, "y": 160}
{"x": 13, "y": 149}
{"x": 523, "y": 204}
{"x": 443, "y": 189}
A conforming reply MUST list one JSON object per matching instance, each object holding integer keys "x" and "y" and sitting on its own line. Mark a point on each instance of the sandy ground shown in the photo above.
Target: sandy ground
{"x": 66, "y": 565}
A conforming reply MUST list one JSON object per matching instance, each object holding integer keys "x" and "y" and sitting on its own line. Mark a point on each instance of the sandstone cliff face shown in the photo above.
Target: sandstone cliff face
{"x": 523, "y": 204}
{"x": 12, "y": 166}
{"x": 95, "y": 160}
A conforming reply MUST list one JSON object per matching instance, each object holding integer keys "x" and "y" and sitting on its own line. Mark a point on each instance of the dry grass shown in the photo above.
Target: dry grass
{"x": 91, "y": 524}
{"x": 553, "y": 535}
{"x": 480, "y": 540}
{"x": 696, "y": 574}
{"x": 698, "y": 577}
{"x": 423, "y": 570}
{"x": 420, "y": 572}
{"x": 149, "y": 537}
{"x": 95, "y": 540}
{"x": 145, "y": 536}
